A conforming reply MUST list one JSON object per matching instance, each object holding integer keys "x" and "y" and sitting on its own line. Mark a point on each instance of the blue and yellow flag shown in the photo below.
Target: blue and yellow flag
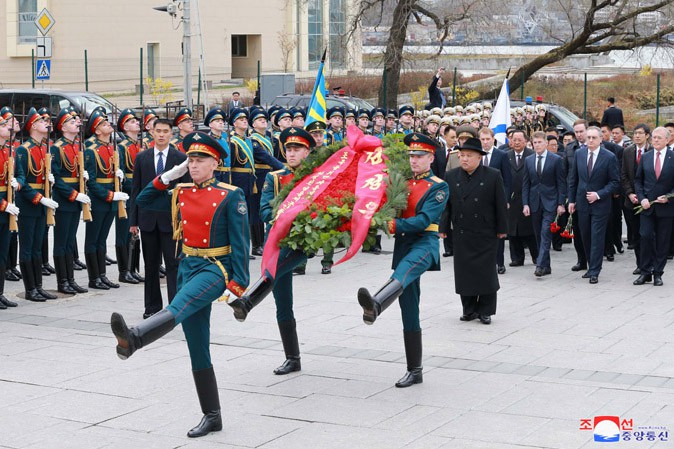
{"x": 317, "y": 106}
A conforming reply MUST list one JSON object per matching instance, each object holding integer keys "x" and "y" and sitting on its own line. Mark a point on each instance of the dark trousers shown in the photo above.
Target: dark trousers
{"x": 65, "y": 231}
{"x": 517, "y": 244}
{"x": 593, "y": 232}
{"x": 12, "y": 257}
{"x": 155, "y": 245}
{"x": 4, "y": 246}
{"x": 31, "y": 233}
{"x": 97, "y": 230}
{"x": 656, "y": 233}
{"x": 480, "y": 304}
{"x": 122, "y": 235}
{"x": 500, "y": 257}
{"x": 541, "y": 221}
{"x": 578, "y": 241}
{"x": 614, "y": 228}
{"x": 633, "y": 223}
{"x": 283, "y": 283}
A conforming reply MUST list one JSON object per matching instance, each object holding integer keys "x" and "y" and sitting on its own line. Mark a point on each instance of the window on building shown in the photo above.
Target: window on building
{"x": 27, "y": 15}
{"x": 315, "y": 34}
{"x": 337, "y": 52}
{"x": 240, "y": 45}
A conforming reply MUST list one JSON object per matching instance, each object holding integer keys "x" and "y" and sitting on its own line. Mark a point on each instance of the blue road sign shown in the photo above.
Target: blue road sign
{"x": 43, "y": 69}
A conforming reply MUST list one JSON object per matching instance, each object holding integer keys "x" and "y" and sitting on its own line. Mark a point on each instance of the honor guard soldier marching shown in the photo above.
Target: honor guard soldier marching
{"x": 185, "y": 124}
{"x": 215, "y": 120}
{"x": 244, "y": 157}
{"x": 298, "y": 143}
{"x": 212, "y": 219}
{"x": 416, "y": 251}
{"x": 8, "y": 210}
{"x": 66, "y": 156}
{"x": 34, "y": 205}
{"x": 99, "y": 162}
{"x": 128, "y": 261}
{"x": 262, "y": 141}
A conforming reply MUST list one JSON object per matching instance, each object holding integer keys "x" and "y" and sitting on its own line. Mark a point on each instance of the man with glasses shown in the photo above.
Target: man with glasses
{"x": 593, "y": 180}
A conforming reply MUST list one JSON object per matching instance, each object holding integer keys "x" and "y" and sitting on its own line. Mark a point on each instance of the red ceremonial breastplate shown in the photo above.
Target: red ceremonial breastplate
{"x": 133, "y": 151}
{"x": 69, "y": 151}
{"x": 285, "y": 179}
{"x": 105, "y": 152}
{"x": 197, "y": 208}
{"x": 418, "y": 188}
{"x": 4, "y": 157}
{"x": 37, "y": 153}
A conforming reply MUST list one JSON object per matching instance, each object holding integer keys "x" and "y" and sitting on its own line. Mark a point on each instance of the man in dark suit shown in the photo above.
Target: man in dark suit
{"x": 497, "y": 159}
{"x": 156, "y": 229}
{"x": 520, "y": 229}
{"x": 479, "y": 221}
{"x": 612, "y": 114}
{"x": 614, "y": 230}
{"x": 579, "y": 130}
{"x": 234, "y": 103}
{"x": 435, "y": 96}
{"x": 543, "y": 196}
{"x": 594, "y": 178}
{"x": 631, "y": 158}
{"x": 654, "y": 180}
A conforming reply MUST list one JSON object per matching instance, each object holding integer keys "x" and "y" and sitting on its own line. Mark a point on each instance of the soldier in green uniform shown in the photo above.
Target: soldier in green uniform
{"x": 6, "y": 209}
{"x": 349, "y": 117}
{"x": 65, "y": 154}
{"x": 282, "y": 120}
{"x": 215, "y": 120}
{"x": 378, "y": 122}
{"x": 149, "y": 118}
{"x": 98, "y": 162}
{"x": 406, "y": 114}
{"x": 416, "y": 251}
{"x": 214, "y": 262}
{"x": 129, "y": 125}
{"x": 12, "y": 273}
{"x": 364, "y": 120}
{"x": 262, "y": 141}
{"x": 185, "y": 124}
{"x": 335, "y": 117}
{"x": 30, "y": 161}
{"x": 297, "y": 143}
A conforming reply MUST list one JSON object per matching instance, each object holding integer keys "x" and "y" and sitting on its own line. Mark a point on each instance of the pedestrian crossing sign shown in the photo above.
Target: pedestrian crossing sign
{"x": 43, "y": 69}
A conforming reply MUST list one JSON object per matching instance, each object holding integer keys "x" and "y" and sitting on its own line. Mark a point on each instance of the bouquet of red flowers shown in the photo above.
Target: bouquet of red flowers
{"x": 567, "y": 233}
{"x": 554, "y": 226}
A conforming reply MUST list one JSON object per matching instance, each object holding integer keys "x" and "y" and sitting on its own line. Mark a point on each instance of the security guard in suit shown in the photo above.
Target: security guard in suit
{"x": 129, "y": 125}
{"x": 30, "y": 165}
{"x": 244, "y": 157}
{"x": 416, "y": 251}
{"x": 65, "y": 156}
{"x": 98, "y": 162}
{"x": 212, "y": 219}
{"x": 298, "y": 143}
{"x": 185, "y": 124}
{"x": 215, "y": 120}
{"x": 6, "y": 209}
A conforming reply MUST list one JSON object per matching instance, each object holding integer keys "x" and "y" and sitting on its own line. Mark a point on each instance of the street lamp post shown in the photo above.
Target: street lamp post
{"x": 172, "y": 10}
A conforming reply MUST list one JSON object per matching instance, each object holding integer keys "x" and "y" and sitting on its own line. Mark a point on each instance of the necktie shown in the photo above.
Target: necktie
{"x": 485, "y": 162}
{"x": 658, "y": 165}
{"x": 638, "y": 155}
{"x": 160, "y": 163}
{"x": 589, "y": 164}
{"x": 519, "y": 160}
{"x": 539, "y": 166}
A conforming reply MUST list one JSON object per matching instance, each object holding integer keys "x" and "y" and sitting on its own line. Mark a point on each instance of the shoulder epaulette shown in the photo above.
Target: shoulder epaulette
{"x": 277, "y": 172}
{"x": 184, "y": 185}
{"x": 436, "y": 179}
{"x": 58, "y": 143}
{"x": 224, "y": 185}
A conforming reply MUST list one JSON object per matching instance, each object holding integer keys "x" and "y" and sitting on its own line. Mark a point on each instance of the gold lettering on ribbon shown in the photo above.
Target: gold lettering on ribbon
{"x": 374, "y": 183}
{"x": 375, "y": 157}
{"x": 370, "y": 209}
{"x": 313, "y": 184}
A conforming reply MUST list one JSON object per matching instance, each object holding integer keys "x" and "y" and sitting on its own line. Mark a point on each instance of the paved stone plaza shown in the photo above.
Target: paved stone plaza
{"x": 558, "y": 351}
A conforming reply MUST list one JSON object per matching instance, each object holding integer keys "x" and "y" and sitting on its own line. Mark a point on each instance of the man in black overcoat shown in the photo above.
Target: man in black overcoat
{"x": 479, "y": 220}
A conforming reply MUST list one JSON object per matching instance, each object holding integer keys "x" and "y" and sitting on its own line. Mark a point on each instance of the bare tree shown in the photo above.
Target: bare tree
{"x": 287, "y": 44}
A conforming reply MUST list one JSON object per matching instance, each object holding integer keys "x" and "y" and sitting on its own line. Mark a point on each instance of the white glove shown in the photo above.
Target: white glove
{"x": 229, "y": 295}
{"x": 85, "y": 175}
{"x": 12, "y": 209}
{"x": 120, "y": 174}
{"x": 51, "y": 178}
{"x": 120, "y": 196}
{"x": 175, "y": 173}
{"x": 47, "y": 202}
{"x": 82, "y": 198}
{"x": 14, "y": 183}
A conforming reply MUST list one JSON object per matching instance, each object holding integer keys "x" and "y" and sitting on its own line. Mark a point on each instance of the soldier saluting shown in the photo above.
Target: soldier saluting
{"x": 212, "y": 218}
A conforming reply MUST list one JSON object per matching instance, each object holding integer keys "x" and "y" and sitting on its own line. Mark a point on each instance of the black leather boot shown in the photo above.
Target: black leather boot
{"x": 101, "y": 269}
{"x": 123, "y": 265}
{"x": 37, "y": 272}
{"x": 11, "y": 276}
{"x": 291, "y": 347}
{"x": 135, "y": 262}
{"x": 62, "y": 276}
{"x": 373, "y": 306}
{"x": 129, "y": 339}
{"x": 46, "y": 268}
{"x": 413, "y": 354}
{"x": 92, "y": 269}
{"x": 13, "y": 256}
{"x": 29, "y": 282}
{"x": 70, "y": 274}
{"x": 253, "y": 296}
{"x": 4, "y": 301}
{"x": 207, "y": 391}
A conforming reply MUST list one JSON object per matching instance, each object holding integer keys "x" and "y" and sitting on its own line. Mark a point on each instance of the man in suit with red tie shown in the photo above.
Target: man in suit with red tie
{"x": 653, "y": 182}
{"x": 593, "y": 180}
{"x": 543, "y": 196}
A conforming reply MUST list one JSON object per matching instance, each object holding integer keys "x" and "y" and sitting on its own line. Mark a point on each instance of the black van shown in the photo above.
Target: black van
{"x": 21, "y": 100}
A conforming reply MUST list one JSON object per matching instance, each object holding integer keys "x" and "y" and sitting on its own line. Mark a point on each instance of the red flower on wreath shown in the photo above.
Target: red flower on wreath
{"x": 313, "y": 215}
